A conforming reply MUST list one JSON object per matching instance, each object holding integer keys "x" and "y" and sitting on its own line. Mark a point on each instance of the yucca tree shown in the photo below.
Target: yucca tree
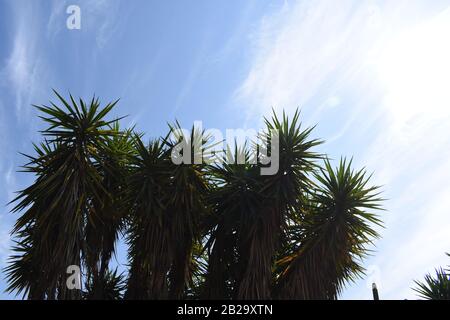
{"x": 435, "y": 287}
{"x": 253, "y": 210}
{"x": 147, "y": 236}
{"x": 282, "y": 192}
{"x": 107, "y": 213}
{"x": 168, "y": 202}
{"x": 235, "y": 204}
{"x": 51, "y": 233}
{"x": 336, "y": 226}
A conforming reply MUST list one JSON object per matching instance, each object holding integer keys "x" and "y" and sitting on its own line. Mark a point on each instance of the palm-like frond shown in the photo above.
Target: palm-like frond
{"x": 435, "y": 288}
{"x": 107, "y": 215}
{"x": 149, "y": 246}
{"x": 167, "y": 205}
{"x": 188, "y": 188}
{"x": 55, "y": 207}
{"x": 110, "y": 287}
{"x": 198, "y": 269}
{"x": 236, "y": 203}
{"x": 338, "y": 227}
{"x": 252, "y": 211}
{"x": 281, "y": 192}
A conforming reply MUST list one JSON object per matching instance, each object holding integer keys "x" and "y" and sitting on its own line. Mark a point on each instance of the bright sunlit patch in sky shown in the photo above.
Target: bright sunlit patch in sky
{"x": 415, "y": 70}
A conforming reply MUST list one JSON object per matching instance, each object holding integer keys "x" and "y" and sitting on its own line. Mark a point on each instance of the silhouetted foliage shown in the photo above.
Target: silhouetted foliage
{"x": 435, "y": 288}
{"x": 212, "y": 230}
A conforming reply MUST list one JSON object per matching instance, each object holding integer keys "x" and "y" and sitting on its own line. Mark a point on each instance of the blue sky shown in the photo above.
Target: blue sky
{"x": 373, "y": 75}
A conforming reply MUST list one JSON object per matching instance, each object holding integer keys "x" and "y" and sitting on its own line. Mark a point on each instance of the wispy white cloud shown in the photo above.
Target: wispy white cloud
{"x": 25, "y": 70}
{"x": 105, "y": 13}
{"x": 56, "y": 21}
{"x": 384, "y": 67}
{"x": 23, "y": 76}
{"x": 299, "y": 49}
{"x": 5, "y": 241}
{"x": 10, "y": 182}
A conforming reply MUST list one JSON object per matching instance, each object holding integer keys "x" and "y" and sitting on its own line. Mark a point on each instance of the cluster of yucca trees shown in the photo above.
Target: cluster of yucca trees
{"x": 209, "y": 230}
